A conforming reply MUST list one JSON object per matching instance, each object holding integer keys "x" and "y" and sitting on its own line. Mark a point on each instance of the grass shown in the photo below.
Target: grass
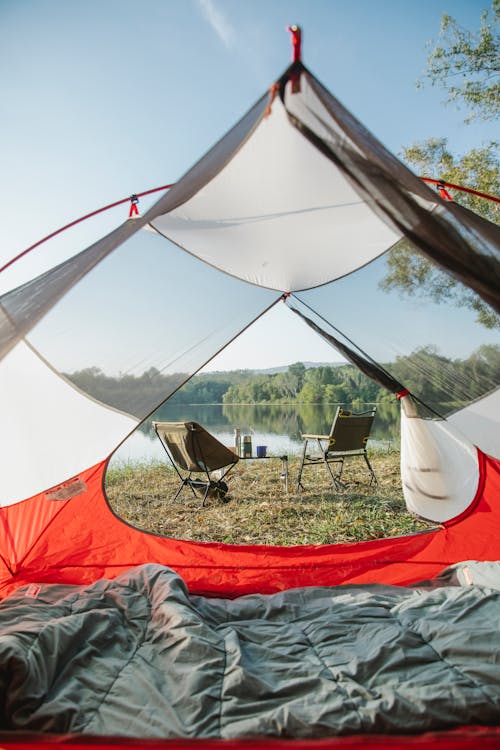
{"x": 260, "y": 511}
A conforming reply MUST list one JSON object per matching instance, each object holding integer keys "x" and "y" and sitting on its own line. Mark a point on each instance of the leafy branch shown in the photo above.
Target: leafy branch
{"x": 467, "y": 64}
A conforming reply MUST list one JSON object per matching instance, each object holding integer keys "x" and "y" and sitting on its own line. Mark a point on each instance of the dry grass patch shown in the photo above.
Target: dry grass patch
{"x": 260, "y": 511}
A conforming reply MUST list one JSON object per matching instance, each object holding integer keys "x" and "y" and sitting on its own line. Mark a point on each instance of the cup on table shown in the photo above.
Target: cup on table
{"x": 261, "y": 451}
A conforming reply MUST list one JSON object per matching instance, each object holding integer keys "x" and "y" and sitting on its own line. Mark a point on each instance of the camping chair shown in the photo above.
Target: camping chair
{"x": 192, "y": 449}
{"x": 347, "y": 439}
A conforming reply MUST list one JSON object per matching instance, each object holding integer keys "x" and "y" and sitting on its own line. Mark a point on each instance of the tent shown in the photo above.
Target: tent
{"x": 297, "y": 204}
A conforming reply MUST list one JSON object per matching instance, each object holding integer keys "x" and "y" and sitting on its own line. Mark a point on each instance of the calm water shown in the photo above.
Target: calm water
{"x": 278, "y": 426}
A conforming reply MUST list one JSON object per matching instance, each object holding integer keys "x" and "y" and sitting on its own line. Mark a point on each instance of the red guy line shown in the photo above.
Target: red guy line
{"x": 463, "y": 189}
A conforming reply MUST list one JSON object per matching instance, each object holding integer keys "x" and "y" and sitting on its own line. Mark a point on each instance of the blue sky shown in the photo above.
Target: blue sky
{"x": 104, "y": 98}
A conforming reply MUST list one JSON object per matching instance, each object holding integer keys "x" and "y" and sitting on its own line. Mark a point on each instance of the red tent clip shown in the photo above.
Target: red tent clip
{"x": 134, "y": 211}
{"x": 443, "y": 193}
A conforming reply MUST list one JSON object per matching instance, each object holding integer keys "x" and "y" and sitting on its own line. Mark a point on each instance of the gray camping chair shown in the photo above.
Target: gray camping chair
{"x": 192, "y": 449}
{"x": 347, "y": 439}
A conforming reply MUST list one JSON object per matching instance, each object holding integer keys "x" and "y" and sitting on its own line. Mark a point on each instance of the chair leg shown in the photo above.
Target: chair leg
{"x": 301, "y": 468}
{"x": 334, "y": 479}
{"x": 373, "y": 478}
{"x": 181, "y": 486}
{"x": 207, "y": 490}
{"x": 177, "y": 493}
{"x": 341, "y": 462}
{"x": 192, "y": 488}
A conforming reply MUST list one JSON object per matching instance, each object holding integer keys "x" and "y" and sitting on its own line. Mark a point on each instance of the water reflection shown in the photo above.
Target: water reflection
{"x": 279, "y": 426}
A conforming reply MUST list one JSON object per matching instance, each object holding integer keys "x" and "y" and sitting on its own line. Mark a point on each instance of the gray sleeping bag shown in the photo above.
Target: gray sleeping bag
{"x": 138, "y": 656}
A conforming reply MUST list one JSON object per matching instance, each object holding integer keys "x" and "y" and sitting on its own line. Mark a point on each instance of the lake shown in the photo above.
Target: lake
{"x": 278, "y": 426}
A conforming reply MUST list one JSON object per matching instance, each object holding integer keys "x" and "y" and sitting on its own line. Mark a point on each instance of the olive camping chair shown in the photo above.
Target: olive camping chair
{"x": 347, "y": 439}
{"x": 192, "y": 449}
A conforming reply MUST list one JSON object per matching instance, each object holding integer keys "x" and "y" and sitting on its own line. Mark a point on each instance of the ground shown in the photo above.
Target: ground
{"x": 260, "y": 511}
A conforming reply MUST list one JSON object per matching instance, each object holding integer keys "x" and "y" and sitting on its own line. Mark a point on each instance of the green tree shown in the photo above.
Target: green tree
{"x": 478, "y": 169}
{"x": 291, "y": 381}
{"x": 481, "y": 370}
{"x": 467, "y": 65}
{"x": 411, "y": 273}
{"x": 311, "y": 393}
{"x": 336, "y": 394}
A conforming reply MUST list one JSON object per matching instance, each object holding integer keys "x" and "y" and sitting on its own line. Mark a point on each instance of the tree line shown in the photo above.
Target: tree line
{"x": 434, "y": 378}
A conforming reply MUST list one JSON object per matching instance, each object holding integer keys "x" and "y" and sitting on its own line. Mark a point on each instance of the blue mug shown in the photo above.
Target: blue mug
{"x": 261, "y": 451}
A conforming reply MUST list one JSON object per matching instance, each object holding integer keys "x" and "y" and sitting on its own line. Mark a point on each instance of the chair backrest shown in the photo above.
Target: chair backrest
{"x": 192, "y": 447}
{"x": 350, "y": 432}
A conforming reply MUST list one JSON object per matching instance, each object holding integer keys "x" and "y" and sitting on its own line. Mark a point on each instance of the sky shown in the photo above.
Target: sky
{"x": 105, "y": 98}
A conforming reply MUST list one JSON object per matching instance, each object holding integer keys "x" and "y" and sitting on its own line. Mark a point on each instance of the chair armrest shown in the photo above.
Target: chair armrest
{"x": 315, "y": 437}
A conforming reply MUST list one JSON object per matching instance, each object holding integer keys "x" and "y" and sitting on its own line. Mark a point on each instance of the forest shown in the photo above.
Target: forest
{"x": 425, "y": 372}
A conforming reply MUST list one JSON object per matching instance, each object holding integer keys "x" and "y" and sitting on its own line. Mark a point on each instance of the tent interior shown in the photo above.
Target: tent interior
{"x": 108, "y": 631}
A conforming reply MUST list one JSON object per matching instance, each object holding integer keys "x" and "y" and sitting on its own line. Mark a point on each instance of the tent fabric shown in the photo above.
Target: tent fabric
{"x": 369, "y": 368}
{"x": 460, "y": 241}
{"x": 70, "y": 535}
{"x": 23, "y": 307}
{"x": 93, "y": 428}
{"x": 300, "y": 202}
{"x": 439, "y": 467}
{"x": 478, "y": 422}
{"x": 363, "y": 175}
